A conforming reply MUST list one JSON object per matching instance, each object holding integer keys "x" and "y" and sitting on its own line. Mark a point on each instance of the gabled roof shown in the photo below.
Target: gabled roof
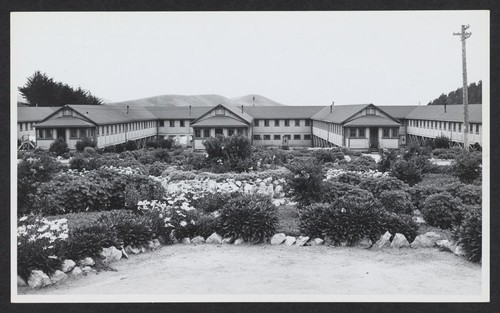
{"x": 34, "y": 114}
{"x": 178, "y": 112}
{"x": 101, "y": 114}
{"x": 282, "y": 112}
{"x": 372, "y": 120}
{"x": 454, "y": 113}
{"x": 65, "y": 121}
{"x": 339, "y": 113}
{"x": 240, "y": 111}
{"x": 397, "y": 111}
{"x": 225, "y": 121}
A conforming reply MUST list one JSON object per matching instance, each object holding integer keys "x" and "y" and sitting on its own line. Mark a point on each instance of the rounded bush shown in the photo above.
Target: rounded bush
{"x": 387, "y": 158}
{"x": 469, "y": 234}
{"x": 401, "y": 223}
{"x": 305, "y": 181}
{"x": 467, "y": 166}
{"x": 407, "y": 171}
{"x": 396, "y": 201}
{"x": 130, "y": 145}
{"x": 59, "y": 146}
{"x": 442, "y": 210}
{"x": 328, "y": 155}
{"x": 250, "y": 217}
{"x": 84, "y": 143}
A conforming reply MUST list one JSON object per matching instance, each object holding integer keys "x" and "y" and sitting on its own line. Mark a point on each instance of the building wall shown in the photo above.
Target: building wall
{"x": 423, "y": 128}
{"x": 28, "y": 130}
{"x": 282, "y": 130}
{"x": 330, "y": 132}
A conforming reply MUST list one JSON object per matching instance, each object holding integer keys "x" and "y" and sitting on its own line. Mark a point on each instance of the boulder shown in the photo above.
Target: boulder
{"x": 278, "y": 239}
{"x": 129, "y": 249}
{"x": 316, "y": 242}
{"x": 88, "y": 261}
{"x": 347, "y": 158}
{"x": 124, "y": 254}
{"x": 227, "y": 240}
{"x": 215, "y": 239}
{"x": 87, "y": 269}
{"x": 399, "y": 241}
{"x": 76, "y": 271}
{"x": 290, "y": 240}
{"x": 143, "y": 249}
{"x": 302, "y": 240}
{"x": 248, "y": 188}
{"x": 278, "y": 191}
{"x": 427, "y": 240}
{"x": 58, "y": 276}
{"x": 445, "y": 245}
{"x": 198, "y": 240}
{"x": 238, "y": 183}
{"x": 384, "y": 241}
{"x": 239, "y": 241}
{"x": 21, "y": 282}
{"x": 186, "y": 241}
{"x": 270, "y": 190}
{"x": 364, "y": 242}
{"x": 154, "y": 244}
{"x": 418, "y": 219}
{"x": 110, "y": 255}
{"x": 459, "y": 250}
{"x": 67, "y": 265}
{"x": 38, "y": 279}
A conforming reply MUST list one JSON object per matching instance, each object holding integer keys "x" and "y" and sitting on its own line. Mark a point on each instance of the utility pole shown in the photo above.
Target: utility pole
{"x": 463, "y": 36}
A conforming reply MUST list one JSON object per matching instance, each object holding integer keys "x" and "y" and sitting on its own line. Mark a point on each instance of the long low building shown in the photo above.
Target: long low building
{"x": 361, "y": 127}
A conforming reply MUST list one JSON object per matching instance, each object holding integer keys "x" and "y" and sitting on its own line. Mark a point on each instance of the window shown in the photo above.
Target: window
{"x": 172, "y": 123}
{"x": 31, "y": 126}
{"x": 116, "y": 129}
{"x": 276, "y": 123}
{"x": 83, "y": 133}
{"x": 266, "y": 123}
{"x": 454, "y": 127}
{"x": 308, "y": 122}
{"x": 219, "y": 111}
{"x": 395, "y": 132}
{"x": 287, "y": 123}
{"x": 444, "y": 125}
{"x": 370, "y": 111}
{"x": 471, "y": 128}
{"x": 267, "y": 137}
{"x": 230, "y": 132}
{"x": 477, "y": 129}
{"x": 162, "y": 124}
{"x": 287, "y": 137}
{"x": 296, "y": 137}
{"x": 256, "y": 137}
{"x": 182, "y": 123}
{"x": 67, "y": 112}
{"x": 197, "y": 133}
{"x": 21, "y": 126}
{"x": 385, "y": 132}
{"x": 48, "y": 133}
{"x": 459, "y": 127}
{"x": 206, "y": 133}
{"x": 297, "y": 122}
{"x": 92, "y": 132}
{"x": 218, "y": 131}
{"x": 361, "y": 133}
{"x": 255, "y": 122}
{"x": 73, "y": 133}
{"x": 440, "y": 126}
{"x": 40, "y": 133}
{"x": 307, "y": 137}
{"x": 277, "y": 137}
{"x": 240, "y": 131}
{"x": 107, "y": 130}
{"x": 352, "y": 132}
{"x": 97, "y": 130}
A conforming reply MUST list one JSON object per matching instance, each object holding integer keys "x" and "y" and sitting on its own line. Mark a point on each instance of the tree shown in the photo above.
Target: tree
{"x": 42, "y": 90}
{"x": 456, "y": 97}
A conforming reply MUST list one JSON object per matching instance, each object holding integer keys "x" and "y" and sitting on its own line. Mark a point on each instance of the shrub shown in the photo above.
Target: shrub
{"x": 414, "y": 149}
{"x": 157, "y": 168}
{"x": 420, "y": 192}
{"x": 162, "y": 155}
{"x": 238, "y": 147}
{"x": 407, "y": 171}
{"x": 59, "y": 146}
{"x": 401, "y": 223}
{"x": 397, "y": 201}
{"x": 250, "y": 217}
{"x": 212, "y": 202}
{"x": 85, "y": 142}
{"x": 88, "y": 240}
{"x": 132, "y": 229}
{"x": 332, "y": 191}
{"x": 377, "y": 185}
{"x": 130, "y": 145}
{"x": 469, "y": 194}
{"x": 146, "y": 158}
{"x": 328, "y": 155}
{"x": 442, "y": 142}
{"x": 446, "y": 154}
{"x": 152, "y": 144}
{"x": 78, "y": 163}
{"x": 207, "y": 225}
{"x": 362, "y": 163}
{"x": 469, "y": 234}
{"x": 467, "y": 166}
{"x": 305, "y": 181}
{"x": 214, "y": 146}
{"x": 166, "y": 143}
{"x": 387, "y": 158}
{"x": 442, "y": 210}
{"x": 350, "y": 178}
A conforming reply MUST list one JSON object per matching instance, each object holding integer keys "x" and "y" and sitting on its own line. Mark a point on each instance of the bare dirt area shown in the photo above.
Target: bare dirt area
{"x": 266, "y": 269}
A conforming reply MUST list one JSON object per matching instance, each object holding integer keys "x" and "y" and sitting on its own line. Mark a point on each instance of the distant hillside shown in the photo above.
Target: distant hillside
{"x": 197, "y": 101}
{"x": 248, "y": 100}
{"x": 475, "y": 96}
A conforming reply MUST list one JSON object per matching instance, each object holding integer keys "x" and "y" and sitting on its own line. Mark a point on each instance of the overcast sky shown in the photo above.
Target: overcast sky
{"x": 296, "y": 58}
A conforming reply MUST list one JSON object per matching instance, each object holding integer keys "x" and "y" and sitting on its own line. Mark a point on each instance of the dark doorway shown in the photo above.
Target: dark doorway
{"x": 61, "y": 133}
{"x": 374, "y": 137}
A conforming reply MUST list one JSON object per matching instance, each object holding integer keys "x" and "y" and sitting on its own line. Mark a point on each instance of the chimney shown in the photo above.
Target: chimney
{"x": 331, "y": 107}
{"x": 189, "y": 111}
{"x": 445, "y": 108}
{"x": 242, "y": 108}
{"x": 254, "y": 101}
{"x": 127, "y": 109}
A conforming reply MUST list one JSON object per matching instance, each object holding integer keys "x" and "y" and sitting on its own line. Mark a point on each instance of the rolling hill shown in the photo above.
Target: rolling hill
{"x": 197, "y": 101}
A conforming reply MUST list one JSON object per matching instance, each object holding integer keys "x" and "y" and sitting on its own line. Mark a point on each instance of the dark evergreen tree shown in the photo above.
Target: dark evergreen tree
{"x": 456, "y": 97}
{"x": 43, "y": 91}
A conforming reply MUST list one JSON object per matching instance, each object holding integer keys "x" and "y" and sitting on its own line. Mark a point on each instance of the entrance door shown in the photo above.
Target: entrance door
{"x": 373, "y": 137}
{"x": 61, "y": 133}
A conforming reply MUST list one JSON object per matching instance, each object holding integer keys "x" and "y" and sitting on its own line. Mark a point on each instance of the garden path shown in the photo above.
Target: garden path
{"x": 265, "y": 269}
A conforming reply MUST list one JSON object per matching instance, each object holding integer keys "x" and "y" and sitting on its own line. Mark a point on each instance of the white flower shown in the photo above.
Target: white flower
{"x": 183, "y": 223}
{"x": 22, "y": 219}
{"x": 43, "y": 228}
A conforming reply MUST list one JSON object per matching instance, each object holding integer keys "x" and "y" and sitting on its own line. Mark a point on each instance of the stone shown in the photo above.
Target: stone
{"x": 384, "y": 241}
{"x": 58, "y": 276}
{"x": 278, "y": 202}
{"x": 427, "y": 240}
{"x": 278, "y": 191}
{"x": 248, "y": 188}
{"x": 110, "y": 255}
{"x": 186, "y": 241}
{"x": 21, "y": 282}
{"x": 459, "y": 250}
{"x": 227, "y": 240}
{"x": 214, "y": 239}
{"x": 399, "y": 241}
{"x": 316, "y": 242}
{"x": 198, "y": 240}
{"x": 67, "y": 265}
{"x": 302, "y": 240}
{"x": 290, "y": 240}
{"x": 364, "y": 242}
{"x": 347, "y": 158}
{"x": 76, "y": 271}
{"x": 278, "y": 239}
{"x": 418, "y": 219}
{"x": 38, "y": 279}
{"x": 88, "y": 261}
{"x": 124, "y": 253}
{"x": 238, "y": 183}
{"x": 87, "y": 269}
{"x": 154, "y": 244}
{"x": 133, "y": 250}
{"x": 445, "y": 245}
{"x": 270, "y": 190}
{"x": 143, "y": 249}
{"x": 268, "y": 180}
{"x": 239, "y": 241}
{"x": 275, "y": 182}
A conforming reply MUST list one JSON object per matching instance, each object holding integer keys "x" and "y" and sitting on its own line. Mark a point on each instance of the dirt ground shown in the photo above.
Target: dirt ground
{"x": 266, "y": 269}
